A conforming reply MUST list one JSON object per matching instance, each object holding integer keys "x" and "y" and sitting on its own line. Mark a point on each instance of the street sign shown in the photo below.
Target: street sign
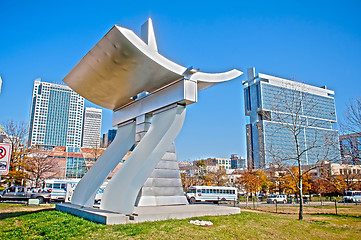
{"x": 5, "y": 152}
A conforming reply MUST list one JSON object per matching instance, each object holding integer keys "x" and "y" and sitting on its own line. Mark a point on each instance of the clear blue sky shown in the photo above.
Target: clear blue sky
{"x": 317, "y": 42}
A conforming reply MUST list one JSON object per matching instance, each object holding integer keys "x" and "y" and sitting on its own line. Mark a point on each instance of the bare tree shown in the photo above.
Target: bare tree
{"x": 310, "y": 141}
{"x": 209, "y": 175}
{"x": 351, "y": 125}
{"x": 202, "y": 173}
{"x": 40, "y": 165}
{"x": 217, "y": 178}
{"x": 352, "y": 119}
{"x": 16, "y": 133}
{"x": 96, "y": 152}
{"x": 351, "y": 178}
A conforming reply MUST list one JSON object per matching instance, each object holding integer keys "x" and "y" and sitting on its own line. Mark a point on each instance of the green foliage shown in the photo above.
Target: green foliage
{"x": 50, "y": 224}
{"x": 17, "y": 171}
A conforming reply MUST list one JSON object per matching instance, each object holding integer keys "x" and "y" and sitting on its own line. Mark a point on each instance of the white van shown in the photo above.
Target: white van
{"x": 62, "y": 189}
{"x": 58, "y": 187}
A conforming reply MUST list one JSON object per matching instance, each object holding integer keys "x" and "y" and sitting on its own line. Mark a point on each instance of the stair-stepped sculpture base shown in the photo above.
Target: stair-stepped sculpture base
{"x": 164, "y": 185}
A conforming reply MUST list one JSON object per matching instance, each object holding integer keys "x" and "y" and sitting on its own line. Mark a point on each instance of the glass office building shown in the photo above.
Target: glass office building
{"x": 92, "y": 127}
{"x": 280, "y": 110}
{"x": 56, "y": 116}
{"x": 351, "y": 148}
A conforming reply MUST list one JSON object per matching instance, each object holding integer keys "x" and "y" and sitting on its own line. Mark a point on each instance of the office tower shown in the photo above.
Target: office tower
{"x": 105, "y": 140}
{"x": 350, "y": 145}
{"x": 108, "y": 137}
{"x": 237, "y": 163}
{"x": 92, "y": 127}
{"x": 111, "y": 135}
{"x": 56, "y": 116}
{"x": 274, "y": 105}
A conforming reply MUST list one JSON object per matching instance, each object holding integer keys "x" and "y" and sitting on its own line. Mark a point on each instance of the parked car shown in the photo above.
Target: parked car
{"x": 277, "y": 198}
{"x": 352, "y": 196}
{"x": 21, "y": 193}
{"x": 262, "y": 196}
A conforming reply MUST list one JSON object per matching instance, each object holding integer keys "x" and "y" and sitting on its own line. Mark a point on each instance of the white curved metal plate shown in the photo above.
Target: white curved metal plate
{"x": 121, "y": 65}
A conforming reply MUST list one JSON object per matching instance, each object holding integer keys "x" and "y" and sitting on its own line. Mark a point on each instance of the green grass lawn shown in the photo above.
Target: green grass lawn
{"x": 23, "y": 222}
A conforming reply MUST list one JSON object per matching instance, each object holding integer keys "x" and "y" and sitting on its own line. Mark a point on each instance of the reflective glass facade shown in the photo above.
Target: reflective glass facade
{"x": 284, "y": 114}
{"x": 75, "y": 164}
{"x": 56, "y": 116}
{"x": 351, "y": 148}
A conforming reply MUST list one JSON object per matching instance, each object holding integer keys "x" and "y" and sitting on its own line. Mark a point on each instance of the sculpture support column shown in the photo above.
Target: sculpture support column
{"x": 164, "y": 185}
{"x": 122, "y": 190}
{"x": 87, "y": 187}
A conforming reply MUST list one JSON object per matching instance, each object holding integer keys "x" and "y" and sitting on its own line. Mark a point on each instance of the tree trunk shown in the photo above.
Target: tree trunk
{"x": 321, "y": 198}
{"x": 252, "y": 200}
{"x": 300, "y": 213}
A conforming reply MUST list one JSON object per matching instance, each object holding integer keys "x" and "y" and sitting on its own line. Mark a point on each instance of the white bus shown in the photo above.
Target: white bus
{"x": 211, "y": 194}
{"x": 58, "y": 187}
{"x": 352, "y": 196}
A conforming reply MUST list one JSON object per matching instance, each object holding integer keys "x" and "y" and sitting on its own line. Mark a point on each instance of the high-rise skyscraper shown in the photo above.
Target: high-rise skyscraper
{"x": 276, "y": 107}
{"x": 237, "y": 163}
{"x": 350, "y": 145}
{"x": 92, "y": 127}
{"x": 56, "y": 116}
{"x": 108, "y": 137}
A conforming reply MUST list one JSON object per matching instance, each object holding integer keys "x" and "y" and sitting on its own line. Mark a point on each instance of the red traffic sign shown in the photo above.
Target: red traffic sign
{"x": 5, "y": 152}
{"x": 2, "y": 152}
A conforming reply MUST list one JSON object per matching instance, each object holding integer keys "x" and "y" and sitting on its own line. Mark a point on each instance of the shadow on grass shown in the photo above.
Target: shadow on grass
{"x": 17, "y": 214}
{"x": 356, "y": 217}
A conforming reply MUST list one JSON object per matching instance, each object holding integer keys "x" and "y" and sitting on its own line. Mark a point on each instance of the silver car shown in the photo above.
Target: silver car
{"x": 277, "y": 199}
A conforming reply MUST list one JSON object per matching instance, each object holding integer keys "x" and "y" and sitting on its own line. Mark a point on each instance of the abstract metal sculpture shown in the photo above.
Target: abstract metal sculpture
{"x": 148, "y": 94}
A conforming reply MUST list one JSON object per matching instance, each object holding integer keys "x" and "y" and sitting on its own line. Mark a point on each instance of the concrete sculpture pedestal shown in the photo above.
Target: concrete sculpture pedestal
{"x": 147, "y": 214}
{"x": 164, "y": 185}
{"x": 148, "y": 94}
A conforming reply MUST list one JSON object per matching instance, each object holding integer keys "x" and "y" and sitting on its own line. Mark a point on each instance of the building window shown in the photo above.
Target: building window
{"x": 258, "y": 96}
{"x": 248, "y": 98}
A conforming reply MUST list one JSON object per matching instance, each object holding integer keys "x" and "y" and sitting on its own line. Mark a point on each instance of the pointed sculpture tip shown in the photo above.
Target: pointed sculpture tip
{"x": 147, "y": 34}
